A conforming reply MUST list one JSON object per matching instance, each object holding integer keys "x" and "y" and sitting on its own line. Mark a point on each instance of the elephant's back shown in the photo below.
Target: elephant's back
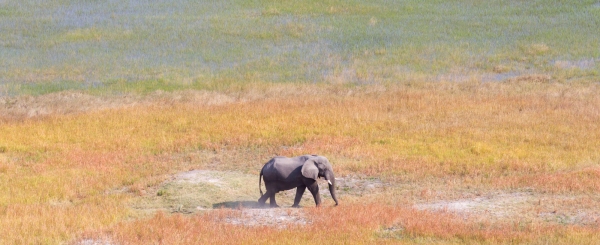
{"x": 280, "y": 168}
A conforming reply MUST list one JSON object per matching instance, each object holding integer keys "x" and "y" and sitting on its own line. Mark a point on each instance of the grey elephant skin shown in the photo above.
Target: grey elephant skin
{"x": 302, "y": 172}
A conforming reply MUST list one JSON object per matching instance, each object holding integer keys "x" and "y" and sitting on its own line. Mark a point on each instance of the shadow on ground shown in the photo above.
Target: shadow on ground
{"x": 239, "y": 205}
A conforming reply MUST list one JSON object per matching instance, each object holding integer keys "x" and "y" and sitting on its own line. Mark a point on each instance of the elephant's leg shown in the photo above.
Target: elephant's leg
{"x": 314, "y": 190}
{"x": 273, "y": 203}
{"x": 263, "y": 198}
{"x": 299, "y": 192}
{"x": 270, "y": 194}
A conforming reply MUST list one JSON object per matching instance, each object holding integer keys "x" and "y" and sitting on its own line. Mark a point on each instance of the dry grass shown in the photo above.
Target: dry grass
{"x": 68, "y": 174}
{"x": 355, "y": 223}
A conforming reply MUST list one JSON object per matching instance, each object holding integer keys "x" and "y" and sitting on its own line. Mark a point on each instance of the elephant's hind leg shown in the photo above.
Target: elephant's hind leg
{"x": 273, "y": 203}
{"x": 263, "y": 199}
{"x": 299, "y": 192}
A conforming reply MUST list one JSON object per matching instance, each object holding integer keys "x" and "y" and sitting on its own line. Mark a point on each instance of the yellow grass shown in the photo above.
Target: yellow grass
{"x": 355, "y": 223}
{"x": 63, "y": 175}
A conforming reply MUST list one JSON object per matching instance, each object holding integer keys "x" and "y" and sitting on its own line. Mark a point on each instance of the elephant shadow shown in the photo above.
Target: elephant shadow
{"x": 238, "y": 205}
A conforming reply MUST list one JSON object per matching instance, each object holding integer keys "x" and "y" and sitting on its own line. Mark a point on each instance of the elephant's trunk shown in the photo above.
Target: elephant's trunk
{"x": 331, "y": 182}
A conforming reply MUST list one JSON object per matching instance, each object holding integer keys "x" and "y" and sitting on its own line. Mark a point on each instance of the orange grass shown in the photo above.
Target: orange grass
{"x": 354, "y": 223}
{"x": 541, "y": 136}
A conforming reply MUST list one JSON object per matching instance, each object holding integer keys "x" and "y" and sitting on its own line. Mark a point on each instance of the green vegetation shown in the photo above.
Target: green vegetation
{"x": 80, "y": 45}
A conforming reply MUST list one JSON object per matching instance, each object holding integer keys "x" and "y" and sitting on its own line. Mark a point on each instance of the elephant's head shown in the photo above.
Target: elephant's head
{"x": 319, "y": 166}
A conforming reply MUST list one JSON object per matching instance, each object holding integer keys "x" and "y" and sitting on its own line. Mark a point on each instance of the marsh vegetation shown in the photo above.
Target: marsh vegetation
{"x": 445, "y": 122}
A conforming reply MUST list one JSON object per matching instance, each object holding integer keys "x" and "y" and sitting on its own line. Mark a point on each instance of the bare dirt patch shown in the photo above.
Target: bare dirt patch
{"x": 198, "y": 191}
{"x": 91, "y": 241}
{"x": 523, "y": 206}
{"x": 497, "y": 205}
{"x": 276, "y": 217}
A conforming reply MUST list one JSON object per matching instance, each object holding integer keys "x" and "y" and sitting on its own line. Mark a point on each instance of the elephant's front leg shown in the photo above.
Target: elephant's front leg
{"x": 314, "y": 190}
{"x": 299, "y": 192}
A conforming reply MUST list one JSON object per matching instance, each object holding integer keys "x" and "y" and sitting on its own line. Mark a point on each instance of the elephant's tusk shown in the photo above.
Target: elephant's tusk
{"x": 329, "y": 181}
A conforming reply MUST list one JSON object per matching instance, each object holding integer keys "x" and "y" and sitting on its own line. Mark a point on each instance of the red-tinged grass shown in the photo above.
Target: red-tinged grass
{"x": 355, "y": 223}
{"x": 58, "y": 220}
{"x": 503, "y": 136}
{"x": 52, "y": 200}
{"x": 477, "y": 128}
{"x": 577, "y": 181}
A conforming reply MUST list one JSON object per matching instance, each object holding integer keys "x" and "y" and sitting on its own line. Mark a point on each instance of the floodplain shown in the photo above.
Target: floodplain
{"x": 447, "y": 122}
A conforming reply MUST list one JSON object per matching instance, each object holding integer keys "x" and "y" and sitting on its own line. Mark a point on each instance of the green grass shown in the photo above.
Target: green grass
{"x": 46, "y": 45}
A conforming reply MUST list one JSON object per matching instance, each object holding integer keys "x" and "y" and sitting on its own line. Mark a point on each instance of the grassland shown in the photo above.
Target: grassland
{"x": 63, "y": 172}
{"x": 491, "y": 103}
{"x": 170, "y": 45}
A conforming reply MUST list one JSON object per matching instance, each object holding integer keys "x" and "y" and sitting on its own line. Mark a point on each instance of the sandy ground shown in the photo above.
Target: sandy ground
{"x": 522, "y": 206}
{"x": 205, "y": 190}
{"x": 198, "y": 191}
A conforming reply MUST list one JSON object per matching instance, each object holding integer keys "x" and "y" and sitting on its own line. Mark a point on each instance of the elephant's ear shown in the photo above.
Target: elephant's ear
{"x": 310, "y": 170}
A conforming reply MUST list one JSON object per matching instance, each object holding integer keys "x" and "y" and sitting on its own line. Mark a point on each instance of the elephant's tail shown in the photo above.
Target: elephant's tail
{"x": 259, "y": 182}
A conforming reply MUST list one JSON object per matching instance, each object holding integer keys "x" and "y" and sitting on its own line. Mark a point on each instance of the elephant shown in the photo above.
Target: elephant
{"x": 301, "y": 172}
